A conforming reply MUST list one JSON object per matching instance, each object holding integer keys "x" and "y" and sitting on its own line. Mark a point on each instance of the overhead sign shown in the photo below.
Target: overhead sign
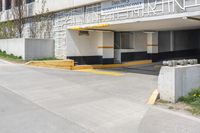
{"x": 116, "y": 6}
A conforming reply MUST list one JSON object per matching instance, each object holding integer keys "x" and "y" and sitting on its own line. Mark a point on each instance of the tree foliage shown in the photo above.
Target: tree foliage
{"x": 7, "y": 30}
{"x": 19, "y": 12}
{"x": 41, "y": 23}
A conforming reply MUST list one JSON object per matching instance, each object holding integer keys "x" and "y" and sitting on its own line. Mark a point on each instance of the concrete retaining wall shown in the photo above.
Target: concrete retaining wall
{"x": 28, "y": 49}
{"x": 175, "y": 82}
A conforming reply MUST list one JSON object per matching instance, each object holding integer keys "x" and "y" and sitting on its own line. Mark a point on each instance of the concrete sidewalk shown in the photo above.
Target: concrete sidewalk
{"x": 3, "y": 62}
{"x": 48, "y": 100}
{"x": 158, "y": 120}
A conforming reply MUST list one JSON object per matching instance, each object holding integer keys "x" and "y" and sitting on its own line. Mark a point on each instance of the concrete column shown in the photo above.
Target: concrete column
{"x": 152, "y": 42}
{"x": 107, "y": 47}
{"x": 12, "y": 3}
{"x": 171, "y": 40}
{"x": 3, "y": 5}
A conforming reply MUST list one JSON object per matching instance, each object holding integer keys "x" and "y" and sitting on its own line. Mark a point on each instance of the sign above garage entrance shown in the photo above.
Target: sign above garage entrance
{"x": 116, "y": 6}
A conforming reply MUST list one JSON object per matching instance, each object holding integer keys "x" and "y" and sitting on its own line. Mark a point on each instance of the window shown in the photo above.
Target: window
{"x": 29, "y": 1}
{"x": 8, "y": 4}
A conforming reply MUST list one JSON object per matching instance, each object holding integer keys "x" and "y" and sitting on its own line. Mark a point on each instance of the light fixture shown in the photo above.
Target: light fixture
{"x": 149, "y": 31}
{"x": 191, "y": 18}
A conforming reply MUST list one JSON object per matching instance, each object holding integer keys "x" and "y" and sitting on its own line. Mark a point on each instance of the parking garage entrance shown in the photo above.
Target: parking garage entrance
{"x": 157, "y": 46}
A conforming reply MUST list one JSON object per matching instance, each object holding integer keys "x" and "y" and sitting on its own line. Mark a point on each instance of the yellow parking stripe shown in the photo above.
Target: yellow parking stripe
{"x": 153, "y": 97}
{"x": 101, "y": 72}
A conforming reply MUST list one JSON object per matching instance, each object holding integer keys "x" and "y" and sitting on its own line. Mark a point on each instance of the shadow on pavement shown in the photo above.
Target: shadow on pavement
{"x": 150, "y": 69}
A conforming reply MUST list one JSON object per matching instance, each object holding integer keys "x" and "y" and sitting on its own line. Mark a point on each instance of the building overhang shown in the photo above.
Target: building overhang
{"x": 181, "y": 21}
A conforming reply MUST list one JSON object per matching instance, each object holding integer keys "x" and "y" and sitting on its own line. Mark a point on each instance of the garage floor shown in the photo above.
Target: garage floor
{"x": 149, "y": 69}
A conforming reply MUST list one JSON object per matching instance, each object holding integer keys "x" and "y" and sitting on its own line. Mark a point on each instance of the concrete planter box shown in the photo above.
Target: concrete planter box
{"x": 27, "y": 48}
{"x": 175, "y": 82}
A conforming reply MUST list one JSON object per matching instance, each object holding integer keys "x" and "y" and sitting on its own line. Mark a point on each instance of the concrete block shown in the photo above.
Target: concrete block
{"x": 175, "y": 82}
{"x": 28, "y": 49}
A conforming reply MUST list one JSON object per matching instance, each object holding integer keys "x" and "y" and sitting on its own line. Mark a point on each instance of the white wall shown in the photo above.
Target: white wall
{"x": 108, "y": 40}
{"x": 82, "y": 45}
{"x": 90, "y": 45}
{"x": 13, "y": 46}
{"x": 28, "y": 49}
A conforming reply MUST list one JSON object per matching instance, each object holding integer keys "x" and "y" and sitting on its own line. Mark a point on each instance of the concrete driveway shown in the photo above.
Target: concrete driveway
{"x": 147, "y": 69}
{"x": 39, "y": 100}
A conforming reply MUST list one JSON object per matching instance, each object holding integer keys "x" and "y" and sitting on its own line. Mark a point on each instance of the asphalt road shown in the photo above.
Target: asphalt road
{"x": 39, "y": 100}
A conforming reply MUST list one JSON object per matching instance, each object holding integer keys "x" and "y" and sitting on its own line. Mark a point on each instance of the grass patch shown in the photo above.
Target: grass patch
{"x": 18, "y": 59}
{"x": 193, "y": 99}
{"x": 10, "y": 57}
{"x": 46, "y": 59}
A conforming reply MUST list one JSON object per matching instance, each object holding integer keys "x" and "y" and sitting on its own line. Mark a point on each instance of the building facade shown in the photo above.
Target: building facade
{"x": 114, "y": 31}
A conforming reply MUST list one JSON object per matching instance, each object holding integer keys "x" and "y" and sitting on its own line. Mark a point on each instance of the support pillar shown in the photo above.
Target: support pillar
{"x": 3, "y": 5}
{"x": 152, "y": 42}
{"x": 106, "y": 47}
{"x": 171, "y": 41}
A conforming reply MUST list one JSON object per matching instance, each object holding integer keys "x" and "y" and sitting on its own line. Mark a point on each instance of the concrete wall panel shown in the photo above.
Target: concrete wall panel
{"x": 13, "y": 46}
{"x": 164, "y": 41}
{"x": 175, "y": 82}
{"x": 91, "y": 44}
{"x": 185, "y": 40}
{"x": 28, "y": 49}
{"x": 108, "y": 40}
{"x": 82, "y": 45}
{"x": 39, "y": 48}
{"x": 140, "y": 42}
{"x": 182, "y": 40}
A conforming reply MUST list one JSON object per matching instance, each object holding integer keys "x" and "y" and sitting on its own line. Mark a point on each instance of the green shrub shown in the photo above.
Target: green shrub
{"x": 4, "y": 55}
{"x": 43, "y": 59}
{"x": 193, "y": 99}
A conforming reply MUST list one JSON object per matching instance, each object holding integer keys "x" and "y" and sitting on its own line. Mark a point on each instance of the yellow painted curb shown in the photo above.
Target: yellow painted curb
{"x": 82, "y": 67}
{"x": 79, "y": 67}
{"x": 70, "y": 64}
{"x": 100, "y": 72}
{"x": 63, "y": 64}
{"x": 153, "y": 97}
